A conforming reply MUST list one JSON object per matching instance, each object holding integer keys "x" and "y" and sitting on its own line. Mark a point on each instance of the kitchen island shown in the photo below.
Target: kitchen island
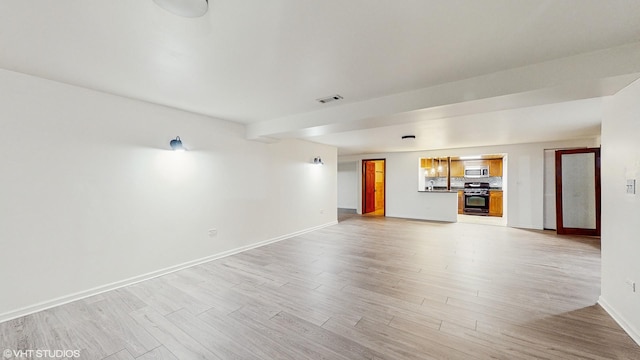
{"x": 438, "y": 205}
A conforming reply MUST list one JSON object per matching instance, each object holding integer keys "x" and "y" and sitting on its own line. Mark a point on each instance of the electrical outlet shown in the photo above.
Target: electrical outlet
{"x": 213, "y": 232}
{"x": 321, "y": 211}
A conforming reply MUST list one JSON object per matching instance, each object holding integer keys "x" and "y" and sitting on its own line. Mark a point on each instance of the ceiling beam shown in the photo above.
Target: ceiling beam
{"x": 583, "y": 76}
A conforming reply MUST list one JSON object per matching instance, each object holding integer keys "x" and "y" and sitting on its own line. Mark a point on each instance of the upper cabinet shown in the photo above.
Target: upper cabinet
{"x": 457, "y": 168}
{"x": 435, "y": 167}
{"x": 449, "y": 172}
{"x": 495, "y": 167}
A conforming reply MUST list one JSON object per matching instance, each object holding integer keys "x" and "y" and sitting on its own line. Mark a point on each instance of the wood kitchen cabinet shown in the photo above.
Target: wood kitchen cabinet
{"x": 430, "y": 166}
{"x": 457, "y": 168}
{"x": 495, "y": 167}
{"x": 460, "y": 201}
{"x": 495, "y": 202}
{"x": 444, "y": 168}
{"x": 436, "y": 167}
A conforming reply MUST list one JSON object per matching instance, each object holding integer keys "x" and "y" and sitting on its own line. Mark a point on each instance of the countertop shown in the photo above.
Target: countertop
{"x": 438, "y": 191}
{"x": 454, "y": 189}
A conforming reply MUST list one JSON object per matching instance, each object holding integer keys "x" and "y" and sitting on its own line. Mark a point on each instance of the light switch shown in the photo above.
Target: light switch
{"x": 631, "y": 186}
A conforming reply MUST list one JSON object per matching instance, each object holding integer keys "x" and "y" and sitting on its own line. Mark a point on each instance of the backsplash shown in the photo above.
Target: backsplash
{"x": 458, "y": 182}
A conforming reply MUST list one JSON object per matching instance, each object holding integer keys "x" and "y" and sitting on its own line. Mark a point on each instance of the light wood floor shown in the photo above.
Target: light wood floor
{"x": 484, "y": 220}
{"x": 367, "y": 288}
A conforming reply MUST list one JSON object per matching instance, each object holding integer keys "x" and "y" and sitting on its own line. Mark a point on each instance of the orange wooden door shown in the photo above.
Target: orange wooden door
{"x": 369, "y": 186}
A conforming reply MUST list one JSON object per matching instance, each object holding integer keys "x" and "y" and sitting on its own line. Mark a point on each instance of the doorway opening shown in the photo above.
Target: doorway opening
{"x": 373, "y": 187}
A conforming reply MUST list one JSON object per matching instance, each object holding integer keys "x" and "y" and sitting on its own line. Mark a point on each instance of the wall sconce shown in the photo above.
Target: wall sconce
{"x": 318, "y": 160}
{"x": 176, "y": 144}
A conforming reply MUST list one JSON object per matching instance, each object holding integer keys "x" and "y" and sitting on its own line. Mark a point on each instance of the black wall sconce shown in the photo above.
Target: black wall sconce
{"x": 176, "y": 144}
{"x": 318, "y": 160}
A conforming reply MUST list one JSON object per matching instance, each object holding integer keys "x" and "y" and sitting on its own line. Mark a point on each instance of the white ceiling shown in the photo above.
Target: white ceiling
{"x": 456, "y": 73}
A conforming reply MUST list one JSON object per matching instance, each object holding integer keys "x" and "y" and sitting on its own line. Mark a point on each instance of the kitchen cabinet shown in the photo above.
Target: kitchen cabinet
{"x": 460, "y": 201}
{"x": 495, "y": 167}
{"x": 442, "y": 169}
{"x": 445, "y": 168}
{"x": 457, "y": 168}
{"x": 435, "y": 167}
{"x": 495, "y": 203}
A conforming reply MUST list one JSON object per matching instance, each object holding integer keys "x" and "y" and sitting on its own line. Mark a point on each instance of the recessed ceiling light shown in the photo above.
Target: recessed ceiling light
{"x": 186, "y": 8}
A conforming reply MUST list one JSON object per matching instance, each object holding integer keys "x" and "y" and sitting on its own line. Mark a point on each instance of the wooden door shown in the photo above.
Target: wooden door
{"x": 578, "y": 191}
{"x": 369, "y": 187}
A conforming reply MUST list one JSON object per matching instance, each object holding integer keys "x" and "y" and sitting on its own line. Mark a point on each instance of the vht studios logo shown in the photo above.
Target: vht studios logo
{"x": 38, "y": 354}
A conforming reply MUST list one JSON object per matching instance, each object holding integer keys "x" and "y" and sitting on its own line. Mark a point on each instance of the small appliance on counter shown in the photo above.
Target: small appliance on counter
{"x": 476, "y": 198}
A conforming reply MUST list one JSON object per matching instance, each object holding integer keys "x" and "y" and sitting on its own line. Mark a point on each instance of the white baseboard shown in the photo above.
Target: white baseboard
{"x": 136, "y": 279}
{"x": 630, "y": 329}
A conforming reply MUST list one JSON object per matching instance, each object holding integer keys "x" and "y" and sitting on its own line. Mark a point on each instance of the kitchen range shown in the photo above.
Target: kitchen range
{"x": 476, "y": 198}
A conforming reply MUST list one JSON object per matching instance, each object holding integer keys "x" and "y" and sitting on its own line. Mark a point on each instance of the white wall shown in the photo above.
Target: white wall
{"x": 347, "y": 185}
{"x": 621, "y": 211}
{"x": 90, "y": 195}
{"x": 524, "y": 171}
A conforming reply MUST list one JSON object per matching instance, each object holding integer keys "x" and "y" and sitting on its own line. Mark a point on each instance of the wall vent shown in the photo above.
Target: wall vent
{"x": 329, "y": 99}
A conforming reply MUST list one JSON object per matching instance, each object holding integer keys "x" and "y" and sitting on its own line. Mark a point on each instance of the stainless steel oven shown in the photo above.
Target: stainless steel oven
{"x": 476, "y": 198}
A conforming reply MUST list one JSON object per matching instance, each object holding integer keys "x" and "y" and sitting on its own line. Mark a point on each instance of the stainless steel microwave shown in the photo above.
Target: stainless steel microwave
{"x": 476, "y": 171}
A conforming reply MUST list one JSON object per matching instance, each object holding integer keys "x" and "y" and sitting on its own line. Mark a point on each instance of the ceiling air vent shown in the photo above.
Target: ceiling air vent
{"x": 329, "y": 99}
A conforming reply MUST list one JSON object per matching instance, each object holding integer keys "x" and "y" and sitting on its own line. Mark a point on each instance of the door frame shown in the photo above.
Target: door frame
{"x": 363, "y": 176}
{"x": 560, "y": 229}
